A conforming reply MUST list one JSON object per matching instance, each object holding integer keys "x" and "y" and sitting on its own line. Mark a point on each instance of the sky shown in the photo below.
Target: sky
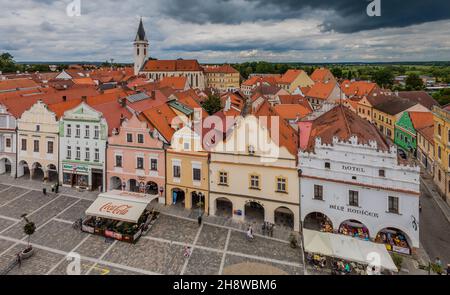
{"x": 218, "y": 31}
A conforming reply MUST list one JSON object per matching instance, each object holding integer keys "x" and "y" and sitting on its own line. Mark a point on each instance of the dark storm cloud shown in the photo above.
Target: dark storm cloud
{"x": 344, "y": 16}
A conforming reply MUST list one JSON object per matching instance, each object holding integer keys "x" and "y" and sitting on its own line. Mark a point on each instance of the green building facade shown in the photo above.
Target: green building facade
{"x": 405, "y": 134}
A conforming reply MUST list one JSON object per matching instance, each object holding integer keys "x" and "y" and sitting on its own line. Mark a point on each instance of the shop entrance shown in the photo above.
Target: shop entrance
{"x": 23, "y": 170}
{"x": 5, "y": 166}
{"x": 355, "y": 229}
{"x": 198, "y": 200}
{"x": 97, "y": 179}
{"x": 318, "y": 221}
{"x": 133, "y": 185}
{"x": 52, "y": 173}
{"x": 254, "y": 212}
{"x": 178, "y": 197}
{"x": 38, "y": 172}
{"x": 151, "y": 188}
{"x": 224, "y": 207}
{"x": 115, "y": 183}
{"x": 284, "y": 217}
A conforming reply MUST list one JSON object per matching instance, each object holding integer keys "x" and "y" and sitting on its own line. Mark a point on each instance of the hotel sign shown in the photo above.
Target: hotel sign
{"x": 357, "y": 211}
{"x": 350, "y": 168}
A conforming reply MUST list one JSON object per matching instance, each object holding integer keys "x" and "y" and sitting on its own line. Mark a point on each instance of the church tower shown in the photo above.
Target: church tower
{"x": 140, "y": 48}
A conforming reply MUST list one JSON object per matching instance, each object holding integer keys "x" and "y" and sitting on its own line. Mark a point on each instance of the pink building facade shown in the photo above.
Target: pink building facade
{"x": 136, "y": 160}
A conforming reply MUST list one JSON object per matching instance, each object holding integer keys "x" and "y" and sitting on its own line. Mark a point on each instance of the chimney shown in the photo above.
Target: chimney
{"x": 153, "y": 94}
{"x": 122, "y": 102}
{"x": 122, "y": 118}
{"x": 64, "y": 98}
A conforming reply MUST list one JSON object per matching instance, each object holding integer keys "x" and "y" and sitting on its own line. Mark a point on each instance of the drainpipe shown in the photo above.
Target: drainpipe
{"x": 17, "y": 150}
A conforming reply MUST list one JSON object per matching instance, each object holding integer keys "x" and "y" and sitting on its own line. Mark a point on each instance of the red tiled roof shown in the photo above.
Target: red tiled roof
{"x": 321, "y": 90}
{"x": 177, "y": 83}
{"x": 60, "y": 108}
{"x": 292, "y": 111}
{"x": 112, "y": 111}
{"x": 225, "y": 69}
{"x": 295, "y": 99}
{"x": 427, "y": 132}
{"x": 421, "y": 119}
{"x": 358, "y": 88}
{"x": 172, "y": 66}
{"x": 161, "y": 117}
{"x": 319, "y": 75}
{"x": 83, "y": 81}
{"x": 343, "y": 123}
{"x": 290, "y": 76}
{"x": 15, "y": 84}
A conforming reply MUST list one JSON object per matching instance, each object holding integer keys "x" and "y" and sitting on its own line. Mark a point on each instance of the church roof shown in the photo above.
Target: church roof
{"x": 140, "y": 36}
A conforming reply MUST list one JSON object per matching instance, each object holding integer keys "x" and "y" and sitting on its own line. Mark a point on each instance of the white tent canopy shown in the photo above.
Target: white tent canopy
{"x": 348, "y": 248}
{"x": 120, "y": 205}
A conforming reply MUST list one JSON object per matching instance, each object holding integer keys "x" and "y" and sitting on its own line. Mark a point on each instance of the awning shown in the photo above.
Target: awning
{"x": 347, "y": 248}
{"x": 120, "y": 205}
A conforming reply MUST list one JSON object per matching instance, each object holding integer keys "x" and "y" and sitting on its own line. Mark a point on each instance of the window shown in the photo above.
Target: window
{"x": 96, "y": 132}
{"x": 140, "y": 163}
{"x": 87, "y": 155}
{"x": 439, "y": 129}
{"x": 223, "y": 178}
{"x": 69, "y": 152}
{"x": 251, "y": 150}
{"x": 129, "y": 137}
{"x": 118, "y": 161}
{"x": 38, "y": 128}
{"x": 254, "y": 182}
{"x": 24, "y": 144}
{"x": 381, "y": 173}
{"x": 154, "y": 164}
{"x": 176, "y": 171}
{"x": 353, "y": 198}
{"x": 327, "y": 165}
{"x": 281, "y": 184}
{"x": 439, "y": 175}
{"x": 186, "y": 146}
{"x": 318, "y": 192}
{"x": 69, "y": 130}
{"x": 77, "y": 131}
{"x": 97, "y": 155}
{"x": 86, "y": 131}
{"x": 78, "y": 154}
{"x": 36, "y": 146}
{"x": 197, "y": 174}
{"x": 140, "y": 138}
{"x": 50, "y": 147}
{"x": 8, "y": 142}
{"x": 393, "y": 204}
{"x": 439, "y": 152}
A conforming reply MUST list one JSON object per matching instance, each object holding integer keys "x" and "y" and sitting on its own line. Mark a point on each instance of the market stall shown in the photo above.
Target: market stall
{"x": 355, "y": 229}
{"x": 346, "y": 250}
{"x": 119, "y": 215}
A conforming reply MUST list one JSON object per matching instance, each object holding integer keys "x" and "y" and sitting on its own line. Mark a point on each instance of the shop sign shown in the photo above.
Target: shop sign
{"x": 115, "y": 209}
{"x": 75, "y": 168}
{"x": 401, "y": 250}
{"x": 354, "y": 211}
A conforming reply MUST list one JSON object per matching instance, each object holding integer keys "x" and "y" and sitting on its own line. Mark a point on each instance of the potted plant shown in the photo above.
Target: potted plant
{"x": 29, "y": 228}
{"x": 293, "y": 241}
{"x": 398, "y": 260}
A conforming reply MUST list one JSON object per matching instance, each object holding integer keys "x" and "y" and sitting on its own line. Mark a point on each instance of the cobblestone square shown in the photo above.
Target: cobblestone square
{"x": 160, "y": 252}
{"x": 3, "y": 187}
{"x": 238, "y": 265}
{"x": 174, "y": 229}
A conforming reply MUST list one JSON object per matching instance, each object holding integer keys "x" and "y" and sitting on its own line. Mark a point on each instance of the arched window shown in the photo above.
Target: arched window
{"x": 137, "y": 51}
{"x": 439, "y": 129}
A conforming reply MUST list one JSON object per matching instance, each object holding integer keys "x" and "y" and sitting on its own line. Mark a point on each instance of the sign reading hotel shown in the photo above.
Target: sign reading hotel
{"x": 353, "y": 169}
{"x": 354, "y": 211}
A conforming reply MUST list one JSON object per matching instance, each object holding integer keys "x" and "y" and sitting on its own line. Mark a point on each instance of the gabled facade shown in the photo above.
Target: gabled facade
{"x": 187, "y": 180}
{"x": 37, "y": 132}
{"x": 252, "y": 181}
{"x": 8, "y": 142}
{"x": 136, "y": 160}
{"x": 405, "y": 134}
{"x": 83, "y": 136}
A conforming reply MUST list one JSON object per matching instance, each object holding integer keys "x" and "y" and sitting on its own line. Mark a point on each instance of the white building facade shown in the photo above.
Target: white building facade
{"x": 83, "y": 137}
{"x": 8, "y": 142}
{"x": 355, "y": 185}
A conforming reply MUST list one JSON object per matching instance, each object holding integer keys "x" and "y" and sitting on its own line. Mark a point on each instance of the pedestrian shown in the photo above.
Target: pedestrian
{"x": 44, "y": 191}
{"x": 19, "y": 260}
{"x": 438, "y": 263}
{"x": 264, "y": 228}
{"x": 448, "y": 269}
{"x": 199, "y": 219}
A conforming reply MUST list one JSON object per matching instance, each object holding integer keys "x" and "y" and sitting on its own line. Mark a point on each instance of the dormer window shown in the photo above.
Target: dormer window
{"x": 251, "y": 149}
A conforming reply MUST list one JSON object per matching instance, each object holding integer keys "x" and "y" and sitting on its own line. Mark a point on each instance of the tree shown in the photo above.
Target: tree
{"x": 7, "y": 63}
{"x": 383, "y": 77}
{"x": 29, "y": 228}
{"x": 212, "y": 105}
{"x": 337, "y": 72}
{"x": 413, "y": 82}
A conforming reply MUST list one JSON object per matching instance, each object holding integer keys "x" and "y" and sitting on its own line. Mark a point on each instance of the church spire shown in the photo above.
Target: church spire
{"x": 140, "y": 36}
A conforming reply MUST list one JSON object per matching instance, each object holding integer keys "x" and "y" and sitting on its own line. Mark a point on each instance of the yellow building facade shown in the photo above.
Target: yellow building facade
{"x": 187, "y": 172}
{"x": 441, "y": 118}
{"x": 223, "y": 78}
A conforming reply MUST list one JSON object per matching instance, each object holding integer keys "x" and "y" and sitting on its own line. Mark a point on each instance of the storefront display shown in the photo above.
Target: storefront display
{"x": 354, "y": 229}
{"x": 394, "y": 240}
